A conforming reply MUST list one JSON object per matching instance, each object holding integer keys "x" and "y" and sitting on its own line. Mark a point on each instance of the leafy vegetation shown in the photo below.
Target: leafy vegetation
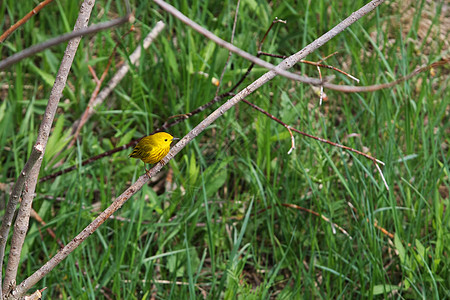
{"x": 212, "y": 224}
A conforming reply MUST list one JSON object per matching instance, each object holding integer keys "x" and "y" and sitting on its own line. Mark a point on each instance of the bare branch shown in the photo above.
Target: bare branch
{"x": 23, "y": 216}
{"x": 290, "y": 61}
{"x": 13, "y": 201}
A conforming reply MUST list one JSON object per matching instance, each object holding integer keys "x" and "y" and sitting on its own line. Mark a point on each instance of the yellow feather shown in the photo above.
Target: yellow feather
{"x": 151, "y": 149}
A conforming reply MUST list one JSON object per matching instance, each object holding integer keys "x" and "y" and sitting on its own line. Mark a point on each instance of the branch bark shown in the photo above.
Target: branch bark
{"x": 23, "y": 216}
{"x": 12, "y": 203}
{"x": 289, "y": 62}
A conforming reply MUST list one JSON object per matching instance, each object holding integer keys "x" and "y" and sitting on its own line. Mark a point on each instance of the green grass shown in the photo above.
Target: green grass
{"x": 218, "y": 228}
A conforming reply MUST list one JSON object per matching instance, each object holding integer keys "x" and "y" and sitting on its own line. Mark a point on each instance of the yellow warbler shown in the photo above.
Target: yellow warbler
{"x": 151, "y": 149}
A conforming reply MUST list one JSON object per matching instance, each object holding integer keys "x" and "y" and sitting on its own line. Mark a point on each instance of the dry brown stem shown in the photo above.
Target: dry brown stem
{"x": 22, "y": 21}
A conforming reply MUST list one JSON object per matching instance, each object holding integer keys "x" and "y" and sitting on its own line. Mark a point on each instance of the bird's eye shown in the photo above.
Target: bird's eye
{"x": 166, "y": 140}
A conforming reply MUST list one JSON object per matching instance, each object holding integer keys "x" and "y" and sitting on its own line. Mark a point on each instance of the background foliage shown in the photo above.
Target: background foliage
{"x": 212, "y": 223}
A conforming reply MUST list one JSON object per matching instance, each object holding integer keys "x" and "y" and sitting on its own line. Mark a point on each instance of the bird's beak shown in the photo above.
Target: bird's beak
{"x": 173, "y": 141}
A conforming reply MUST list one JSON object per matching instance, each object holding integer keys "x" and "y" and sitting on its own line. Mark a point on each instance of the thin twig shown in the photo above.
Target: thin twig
{"x": 317, "y": 64}
{"x": 229, "y": 52}
{"x": 328, "y": 56}
{"x": 333, "y": 225}
{"x": 249, "y": 69}
{"x": 275, "y": 21}
{"x": 60, "y": 39}
{"x": 98, "y": 83}
{"x": 376, "y": 87}
{"x": 23, "y": 216}
{"x": 85, "y": 233}
{"x": 292, "y": 139}
{"x": 311, "y": 136}
{"x": 22, "y": 21}
{"x": 293, "y": 59}
{"x": 120, "y": 74}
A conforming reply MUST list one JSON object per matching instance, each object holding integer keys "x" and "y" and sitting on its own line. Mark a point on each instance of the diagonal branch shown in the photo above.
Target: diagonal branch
{"x": 280, "y": 69}
{"x": 290, "y": 61}
{"x": 293, "y": 59}
{"x": 23, "y": 216}
{"x": 119, "y": 201}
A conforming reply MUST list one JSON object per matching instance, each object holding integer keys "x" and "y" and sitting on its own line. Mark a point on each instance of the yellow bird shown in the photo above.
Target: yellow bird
{"x": 151, "y": 149}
